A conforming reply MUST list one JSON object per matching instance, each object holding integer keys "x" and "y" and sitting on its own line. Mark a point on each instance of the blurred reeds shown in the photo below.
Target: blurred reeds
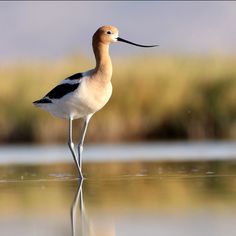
{"x": 154, "y": 98}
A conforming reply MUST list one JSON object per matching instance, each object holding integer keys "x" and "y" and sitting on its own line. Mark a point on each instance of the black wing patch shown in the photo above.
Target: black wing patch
{"x": 75, "y": 76}
{"x": 61, "y": 90}
{"x": 43, "y": 100}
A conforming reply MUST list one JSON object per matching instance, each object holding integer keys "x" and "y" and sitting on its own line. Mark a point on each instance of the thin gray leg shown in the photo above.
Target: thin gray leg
{"x": 81, "y": 143}
{"x": 72, "y": 149}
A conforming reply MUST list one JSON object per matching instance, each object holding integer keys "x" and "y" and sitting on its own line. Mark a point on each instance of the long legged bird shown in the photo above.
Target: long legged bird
{"x": 82, "y": 94}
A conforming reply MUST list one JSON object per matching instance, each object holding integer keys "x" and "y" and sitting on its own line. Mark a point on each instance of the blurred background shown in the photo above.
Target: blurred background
{"x": 183, "y": 90}
{"x": 162, "y": 152}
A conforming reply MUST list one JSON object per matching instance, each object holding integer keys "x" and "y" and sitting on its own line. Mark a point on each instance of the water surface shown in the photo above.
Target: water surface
{"x": 122, "y": 197}
{"x": 175, "y": 151}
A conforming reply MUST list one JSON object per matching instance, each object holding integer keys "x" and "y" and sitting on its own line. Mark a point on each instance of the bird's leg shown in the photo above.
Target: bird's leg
{"x": 72, "y": 149}
{"x": 81, "y": 143}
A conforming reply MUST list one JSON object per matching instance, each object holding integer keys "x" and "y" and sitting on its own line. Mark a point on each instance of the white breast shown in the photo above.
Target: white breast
{"x": 92, "y": 98}
{"x": 83, "y": 101}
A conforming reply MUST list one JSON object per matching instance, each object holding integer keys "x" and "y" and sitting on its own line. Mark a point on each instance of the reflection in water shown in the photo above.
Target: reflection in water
{"x": 122, "y": 199}
{"x": 81, "y": 225}
{"x": 77, "y": 199}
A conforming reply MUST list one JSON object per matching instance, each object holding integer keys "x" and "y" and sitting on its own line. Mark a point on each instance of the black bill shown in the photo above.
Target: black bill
{"x": 139, "y": 45}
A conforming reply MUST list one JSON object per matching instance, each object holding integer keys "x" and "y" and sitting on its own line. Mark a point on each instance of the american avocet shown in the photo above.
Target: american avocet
{"x": 82, "y": 94}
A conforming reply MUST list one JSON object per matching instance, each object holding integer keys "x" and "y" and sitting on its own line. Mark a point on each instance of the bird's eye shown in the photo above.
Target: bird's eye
{"x": 109, "y": 32}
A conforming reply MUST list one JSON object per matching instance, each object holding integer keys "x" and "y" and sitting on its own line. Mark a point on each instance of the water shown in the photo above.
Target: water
{"x": 122, "y": 152}
{"x": 137, "y": 196}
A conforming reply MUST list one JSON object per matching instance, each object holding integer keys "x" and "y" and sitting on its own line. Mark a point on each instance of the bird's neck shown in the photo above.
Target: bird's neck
{"x": 103, "y": 68}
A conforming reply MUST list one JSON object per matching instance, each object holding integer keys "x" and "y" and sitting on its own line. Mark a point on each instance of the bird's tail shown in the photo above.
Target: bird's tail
{"x": 41, "y": 102}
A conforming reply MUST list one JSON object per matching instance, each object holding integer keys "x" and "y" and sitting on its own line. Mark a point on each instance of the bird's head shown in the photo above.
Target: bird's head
{"x": 109, "y": 34}
{"x": 106, "y": 34}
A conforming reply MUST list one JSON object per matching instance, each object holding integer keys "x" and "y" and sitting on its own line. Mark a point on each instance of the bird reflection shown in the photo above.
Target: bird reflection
{"x": 81, "y": 225}
{"x": 78, "y": 204}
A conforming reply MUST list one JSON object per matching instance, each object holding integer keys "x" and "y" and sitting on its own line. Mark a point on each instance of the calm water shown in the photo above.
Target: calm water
{"x": 166, "y": 195}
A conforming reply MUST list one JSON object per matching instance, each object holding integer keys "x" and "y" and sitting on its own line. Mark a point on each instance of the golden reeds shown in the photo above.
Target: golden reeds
{"x": 154, "y": 97}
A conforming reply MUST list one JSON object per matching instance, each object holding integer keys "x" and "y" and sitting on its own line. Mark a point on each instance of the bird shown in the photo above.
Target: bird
{"x": 82, "y": 94}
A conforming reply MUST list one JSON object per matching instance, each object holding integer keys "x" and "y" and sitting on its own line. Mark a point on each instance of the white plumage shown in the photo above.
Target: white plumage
{"x": 78, "y": 103}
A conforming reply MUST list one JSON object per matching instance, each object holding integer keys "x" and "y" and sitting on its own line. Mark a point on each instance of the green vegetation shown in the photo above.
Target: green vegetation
{"x": 154, "y": 97}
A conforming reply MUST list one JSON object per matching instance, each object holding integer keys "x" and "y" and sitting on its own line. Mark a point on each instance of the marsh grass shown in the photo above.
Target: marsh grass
{"x": 154, "y": 97}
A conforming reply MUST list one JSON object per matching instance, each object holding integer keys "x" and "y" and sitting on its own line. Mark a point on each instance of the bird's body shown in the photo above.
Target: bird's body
{"x": 82, "y": 94}
{"x": 76, "y": 98}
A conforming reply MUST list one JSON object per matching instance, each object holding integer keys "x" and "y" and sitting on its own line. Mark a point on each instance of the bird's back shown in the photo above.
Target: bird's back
{"x": 76, "y": 96}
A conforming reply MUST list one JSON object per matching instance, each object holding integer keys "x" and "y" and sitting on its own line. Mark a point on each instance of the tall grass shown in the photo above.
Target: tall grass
{"x": 154, "y": 97}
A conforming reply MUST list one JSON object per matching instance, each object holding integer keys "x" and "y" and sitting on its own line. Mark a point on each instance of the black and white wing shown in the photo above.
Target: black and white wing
{"x": 67, "y": 86}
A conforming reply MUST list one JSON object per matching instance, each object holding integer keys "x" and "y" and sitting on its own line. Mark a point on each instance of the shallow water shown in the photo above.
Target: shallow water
{"x": 173, "y": 151}
{"x": 119, "y": 198}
